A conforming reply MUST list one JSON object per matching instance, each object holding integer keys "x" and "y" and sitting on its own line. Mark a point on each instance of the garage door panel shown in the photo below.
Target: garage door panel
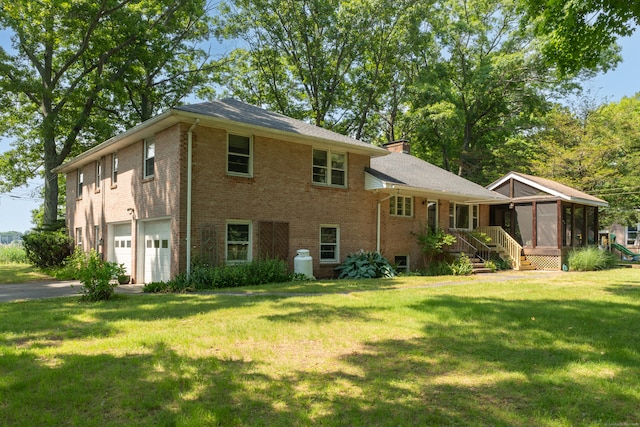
{"x": 157, "y": 251}
{"x": 122, "y": 245}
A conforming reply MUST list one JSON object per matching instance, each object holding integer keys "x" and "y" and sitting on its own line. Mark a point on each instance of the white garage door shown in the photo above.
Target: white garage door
{"x": 157, "y": 251}
{"x": 121, "y": 244}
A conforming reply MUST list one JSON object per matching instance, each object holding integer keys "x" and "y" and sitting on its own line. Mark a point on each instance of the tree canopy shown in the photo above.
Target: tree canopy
{"x": 68, "y": 59}
{"x": 579, "y": 35}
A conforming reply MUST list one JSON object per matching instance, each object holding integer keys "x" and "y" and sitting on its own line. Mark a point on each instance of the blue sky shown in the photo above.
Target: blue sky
{"x": 16, "y": 207}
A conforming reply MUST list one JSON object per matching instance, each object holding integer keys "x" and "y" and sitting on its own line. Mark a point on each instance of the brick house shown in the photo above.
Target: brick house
{"x": 224, "y": 181}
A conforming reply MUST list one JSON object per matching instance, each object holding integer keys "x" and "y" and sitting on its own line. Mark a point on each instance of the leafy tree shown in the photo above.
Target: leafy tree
{"x": 579, "y": 35}
{"x": 70, "y": 58}
{"x": 326, "y": 61}
{"x": 597, "y": 150}
{"x": 482, "y": 85}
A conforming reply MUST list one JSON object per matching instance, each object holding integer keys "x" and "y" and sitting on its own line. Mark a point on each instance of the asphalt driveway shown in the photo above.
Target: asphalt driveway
{"x": 52, "y": 289}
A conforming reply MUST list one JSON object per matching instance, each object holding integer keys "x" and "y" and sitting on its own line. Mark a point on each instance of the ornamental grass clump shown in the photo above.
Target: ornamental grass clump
{"x": 590, "y": 259}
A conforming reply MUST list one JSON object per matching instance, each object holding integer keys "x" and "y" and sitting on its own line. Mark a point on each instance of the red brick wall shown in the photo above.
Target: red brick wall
{"x": 280, "y": 190}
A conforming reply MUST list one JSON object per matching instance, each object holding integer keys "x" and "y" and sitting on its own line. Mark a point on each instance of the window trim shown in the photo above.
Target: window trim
{"x": 336, "y": 258}
{"x": 227, "y": 242}
{"x": 406, "y": 266}
{"x": 114, "y": 169}
{"x": 393, "y": 206}
{"x": 635, "y": 230}
{"x": 79, "y": 183}
{"x": 474, "y": 215}
{"x": 437, "y": 212}
{"x": 329, "y": 169}
{"x": 78, "y": 237}
{"x": 145, "y": 174}
{"x": 249, "y": 173}
{"x": 98, "y": 175}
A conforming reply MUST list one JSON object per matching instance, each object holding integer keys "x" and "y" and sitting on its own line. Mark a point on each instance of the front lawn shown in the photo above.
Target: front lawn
{"x": 548, "y": 349}
{"x": 20, "y": 273}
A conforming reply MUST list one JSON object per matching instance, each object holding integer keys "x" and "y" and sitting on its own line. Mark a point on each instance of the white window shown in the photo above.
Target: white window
{"x": 632, "y": 235}
{"x": 329, "y": 244}
{"x": 149, "y": 158}
{"x": 329, "y": 168}
{"x": 239, "y": 155}
{"x": 238, "y": 246}
{"x": 79, "y": 236}
{"x": 432, "y": 214}
{"x": 463, "y": 216}
{"x": 114, "y": 169}
{"x": 401, "y": 206}
{"x": 80, "y": 181}
{"x": 98, "y": 174}
{"x": 402, "y": 263}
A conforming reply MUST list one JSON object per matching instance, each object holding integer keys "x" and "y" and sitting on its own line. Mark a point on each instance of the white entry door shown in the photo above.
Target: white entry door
{"x": 157, "y": 251}
{"x": 121, "y": 245}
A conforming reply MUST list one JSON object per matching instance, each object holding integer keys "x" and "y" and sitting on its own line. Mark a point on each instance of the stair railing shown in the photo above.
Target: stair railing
{"x": 504, "y": 242}
{"x": 479, "y": 248}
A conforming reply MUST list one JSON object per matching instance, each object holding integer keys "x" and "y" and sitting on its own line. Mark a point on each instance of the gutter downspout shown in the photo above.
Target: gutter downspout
{"x": 189, "y": 179}
{"x": 378, "y": 221}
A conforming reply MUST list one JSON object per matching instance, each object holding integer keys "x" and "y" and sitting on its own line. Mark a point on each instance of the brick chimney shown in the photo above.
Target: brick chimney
{"x": 400, "y": 146}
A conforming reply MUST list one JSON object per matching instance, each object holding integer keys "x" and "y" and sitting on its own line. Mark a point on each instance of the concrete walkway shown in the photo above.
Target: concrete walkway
{"x": 52, "y": 289}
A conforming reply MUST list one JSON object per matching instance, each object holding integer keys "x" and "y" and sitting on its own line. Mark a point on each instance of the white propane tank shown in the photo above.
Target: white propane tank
{"x": 303, "y": 263}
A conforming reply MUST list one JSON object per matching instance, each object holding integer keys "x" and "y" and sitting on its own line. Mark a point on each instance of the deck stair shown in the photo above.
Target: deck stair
{"x": 506, "y": 247}
{"x": 479, "y": 266}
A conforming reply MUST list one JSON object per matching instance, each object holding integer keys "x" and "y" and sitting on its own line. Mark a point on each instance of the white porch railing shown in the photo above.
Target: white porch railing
{"x": 504, "y": 242}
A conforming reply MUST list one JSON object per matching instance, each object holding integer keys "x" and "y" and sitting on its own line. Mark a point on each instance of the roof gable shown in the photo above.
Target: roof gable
{"x": 529, "y": 186}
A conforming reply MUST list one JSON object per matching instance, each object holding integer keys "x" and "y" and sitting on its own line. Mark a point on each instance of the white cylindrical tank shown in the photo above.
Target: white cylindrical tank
{"x": 303, "y": 263}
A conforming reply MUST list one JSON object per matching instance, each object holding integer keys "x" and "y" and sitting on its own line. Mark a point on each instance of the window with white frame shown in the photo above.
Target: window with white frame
{"x": 239, "y": 155}
{"x": 432, "y": 214}
{"x": 114, "y": 169}
{"x": 79, "y": 183}
{"x": 78, "y": 236}
{"x": 238, "y": 238}
{"x": 98, "y": 174}
{"x": 632, "y": 235}
{"x": 329, "y": 244}
{"x": 329, "y": 168}
{"x": 149, "y": 158}
{"x": 401, "y": 206}
{"x": 401, "y": 263}
{"x": 462, "y": 215}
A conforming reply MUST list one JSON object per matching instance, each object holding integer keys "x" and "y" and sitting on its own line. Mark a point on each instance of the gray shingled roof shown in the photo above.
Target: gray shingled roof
{"x": 409, "y": 171}
{"x": 237, "y": 111}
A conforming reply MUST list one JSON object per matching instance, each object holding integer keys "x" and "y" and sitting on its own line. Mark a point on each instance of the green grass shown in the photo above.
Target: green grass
{"x": 20, "y": 273}
{"x": 547, "y": 349}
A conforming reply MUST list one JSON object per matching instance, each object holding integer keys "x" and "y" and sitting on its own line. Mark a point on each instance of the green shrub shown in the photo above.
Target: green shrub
{"x": 13, "y": 254}
{"x": 500, "y": 263}
{"x": 98, "y": 277}
{"x": 462, "y": 266}
{"x": 47, "y": 248}
{"x": 155, "y": 287}
{"x": 492, "y": 265}
{"x": 202, "y": 277}
{"x": 438, "y": 268}
{"x": 432, "y": 242}
{"x": 590, "y": 259}
{"x": 365, "y": 265}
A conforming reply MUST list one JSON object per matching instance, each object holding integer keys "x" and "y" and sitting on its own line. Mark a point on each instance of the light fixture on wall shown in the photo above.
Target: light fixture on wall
{"x": 511, "y": 205}
{"x": 130, "y": 211}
